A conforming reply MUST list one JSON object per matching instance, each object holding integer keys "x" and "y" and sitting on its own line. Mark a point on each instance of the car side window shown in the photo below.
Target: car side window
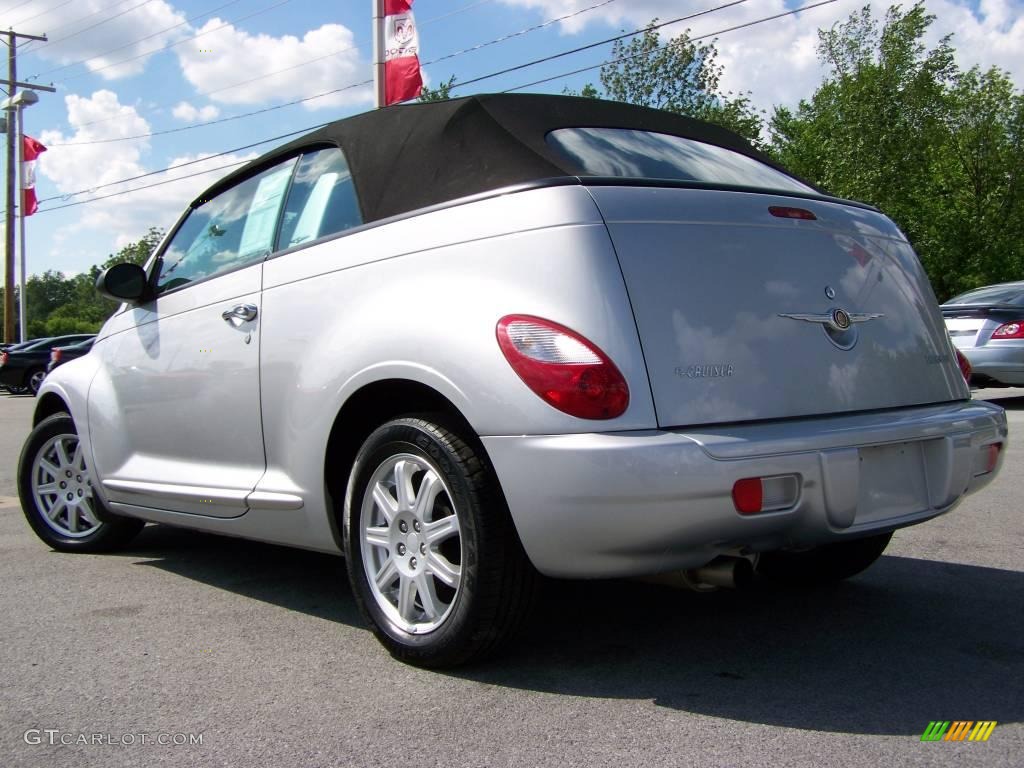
{"x": 322, "y": 199}
{"x": 234, "y": 228}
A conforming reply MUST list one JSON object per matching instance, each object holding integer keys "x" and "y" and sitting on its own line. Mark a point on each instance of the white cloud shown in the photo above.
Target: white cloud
{"x": 96, "y": 29}
{"x": 220, "y": 64}
{"x": 191, "y": 114}
{"x": 777, "y": 61}
{"x": 73, "y": 166}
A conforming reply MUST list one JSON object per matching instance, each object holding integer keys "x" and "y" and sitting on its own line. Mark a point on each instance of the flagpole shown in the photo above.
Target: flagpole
{"x": 378, "y": 53}
{"x": 21, "y": 220}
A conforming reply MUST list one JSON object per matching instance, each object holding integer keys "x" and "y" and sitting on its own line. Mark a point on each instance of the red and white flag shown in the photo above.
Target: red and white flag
{"x": 402, "y": 78}
{"x": 31, "y": 149}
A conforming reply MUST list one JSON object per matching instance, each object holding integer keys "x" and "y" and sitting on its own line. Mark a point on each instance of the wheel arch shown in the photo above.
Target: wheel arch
{"x": 49, "y": 404}
{"x": 369, "y": 407}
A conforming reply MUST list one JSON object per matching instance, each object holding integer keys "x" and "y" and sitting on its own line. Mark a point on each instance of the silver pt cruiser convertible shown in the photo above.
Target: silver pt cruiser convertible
{"x": 463, "y": 343}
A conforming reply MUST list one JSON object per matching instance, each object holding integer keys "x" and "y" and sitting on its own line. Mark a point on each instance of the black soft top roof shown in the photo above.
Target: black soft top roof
{"x": 412, "y": 156}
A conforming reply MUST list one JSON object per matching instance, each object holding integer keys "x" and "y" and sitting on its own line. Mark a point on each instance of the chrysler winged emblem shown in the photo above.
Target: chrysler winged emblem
{"x": 837, "y": 319}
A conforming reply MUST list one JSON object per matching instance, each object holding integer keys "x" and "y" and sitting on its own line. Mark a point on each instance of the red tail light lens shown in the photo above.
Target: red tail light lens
{"x": 1014, "y": 330}
{"x": 965, "y": 365}
{"x": 55, "y": 356}
{"x": 563, "y": 368}
{"x": 3, "y": 358}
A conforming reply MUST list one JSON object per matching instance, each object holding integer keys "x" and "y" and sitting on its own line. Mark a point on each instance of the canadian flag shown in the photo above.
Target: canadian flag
{"x": 402, "y": 79}
{"x": 31, "y": 149}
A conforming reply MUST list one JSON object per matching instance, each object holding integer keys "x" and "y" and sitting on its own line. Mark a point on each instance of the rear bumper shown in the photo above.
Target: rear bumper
{"x": 12, "y": 376}
{"x": 1003, "y": 362}
{"x": 632, "y": 503}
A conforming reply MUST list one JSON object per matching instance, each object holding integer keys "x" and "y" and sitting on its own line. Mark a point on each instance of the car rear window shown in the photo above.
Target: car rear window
{"x": 993, "y": 294}
{"x": 647, "y": 155}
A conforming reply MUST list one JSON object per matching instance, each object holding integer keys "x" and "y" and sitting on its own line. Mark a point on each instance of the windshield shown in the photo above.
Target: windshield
{"x": 646, "y": 155}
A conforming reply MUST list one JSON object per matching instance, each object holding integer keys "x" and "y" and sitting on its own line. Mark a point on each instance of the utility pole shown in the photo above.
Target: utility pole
{"x": 379, "y": 55}
{"x": 12, "y": 168}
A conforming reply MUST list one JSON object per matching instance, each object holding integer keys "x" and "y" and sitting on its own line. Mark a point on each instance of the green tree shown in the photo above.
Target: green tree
{"x": 441, "y": 93}
{"x": 679, "y": 76}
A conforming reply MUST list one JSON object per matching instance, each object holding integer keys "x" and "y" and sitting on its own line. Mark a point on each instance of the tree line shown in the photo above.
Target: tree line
{"x": 894, "y": 123}
{"x": 56, "y": 305}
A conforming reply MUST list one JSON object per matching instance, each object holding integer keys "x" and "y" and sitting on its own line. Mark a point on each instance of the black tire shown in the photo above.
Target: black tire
{"x": 31, "y": 384}
{"x": 108, "y": 534}
{"x": 498, "y": 583}
{"x": 827, "y": 563}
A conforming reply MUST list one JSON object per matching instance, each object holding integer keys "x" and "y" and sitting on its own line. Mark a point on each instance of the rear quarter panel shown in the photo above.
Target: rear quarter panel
{"x": 419, "y": 299}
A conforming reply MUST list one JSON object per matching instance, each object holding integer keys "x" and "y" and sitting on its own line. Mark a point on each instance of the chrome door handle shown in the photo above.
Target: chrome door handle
{"x": 240, "y": 314}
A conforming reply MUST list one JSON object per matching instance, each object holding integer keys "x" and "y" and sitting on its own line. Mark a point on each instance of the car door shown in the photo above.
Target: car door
{"x": 176, "y": 419}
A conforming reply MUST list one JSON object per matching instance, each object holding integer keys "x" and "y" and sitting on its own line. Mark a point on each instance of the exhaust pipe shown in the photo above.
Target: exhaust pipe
{"x": 723, "y": 572}
{"x": 726, "y": 572}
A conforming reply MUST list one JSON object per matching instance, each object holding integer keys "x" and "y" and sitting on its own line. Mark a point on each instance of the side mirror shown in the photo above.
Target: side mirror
{"x": 123, "y": 282}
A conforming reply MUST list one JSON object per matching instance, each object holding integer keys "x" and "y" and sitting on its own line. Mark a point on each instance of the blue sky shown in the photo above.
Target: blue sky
{"x": 114, "y": 81}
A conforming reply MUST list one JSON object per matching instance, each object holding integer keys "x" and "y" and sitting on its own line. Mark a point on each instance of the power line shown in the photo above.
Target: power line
{"x": 146, "y": 186}
{"x": 76, "y": 33}
{"x": 661, "y": 47}
{"x": 217, "y": 121}
{"x": 42, "y": 13}
{"x": 129, "y": 45}
{"x": 15, "y": 7}
{"x": 595, "y": 45}
{"x": 69, "y": 195}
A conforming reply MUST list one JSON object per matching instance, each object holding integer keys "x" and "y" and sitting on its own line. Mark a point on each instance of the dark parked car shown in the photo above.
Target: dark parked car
{"x": 987, "y": 326}
{"x": 25, "y": 368}
{"x": 21, "y": 344}
{"x": 61, "y": 355}
{"x": 12, "y": 348}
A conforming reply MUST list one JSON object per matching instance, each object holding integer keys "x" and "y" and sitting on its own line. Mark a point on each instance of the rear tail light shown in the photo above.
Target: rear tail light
{"x": 55, "y": 356}
{"x": 3, "y": 358}
{"x": 765, "y": 494}
{"x": 965, "y": 365}
{"x": 1014, "y": 330}
{"x": 564, "y": 369}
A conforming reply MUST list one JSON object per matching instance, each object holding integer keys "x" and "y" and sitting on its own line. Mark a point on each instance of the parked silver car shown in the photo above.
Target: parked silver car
{"x": 465, "y": 342}
{"x": 987, "y": 326}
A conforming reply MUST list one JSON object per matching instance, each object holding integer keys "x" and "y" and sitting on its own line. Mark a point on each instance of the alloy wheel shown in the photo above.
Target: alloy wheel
{"x": 62, "y": 487}
{"x": 411, "y": 542}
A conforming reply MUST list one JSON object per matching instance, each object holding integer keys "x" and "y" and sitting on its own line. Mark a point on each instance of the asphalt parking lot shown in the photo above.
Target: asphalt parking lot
{"x": 259, "y": 651}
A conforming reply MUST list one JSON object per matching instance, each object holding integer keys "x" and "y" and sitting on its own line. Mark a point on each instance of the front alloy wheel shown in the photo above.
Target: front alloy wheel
{"x": 56, "y": 490}
{"x": 433, "y": 558}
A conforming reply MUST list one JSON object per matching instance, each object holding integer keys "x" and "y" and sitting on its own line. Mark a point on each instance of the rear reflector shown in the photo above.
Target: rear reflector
{"x": 563, "y": 368}
{"x": 765, "y": 494}
{"x": 1014, "y": 330}
{"x": 992, "y": 457}
{"x": 785, "y": 212}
